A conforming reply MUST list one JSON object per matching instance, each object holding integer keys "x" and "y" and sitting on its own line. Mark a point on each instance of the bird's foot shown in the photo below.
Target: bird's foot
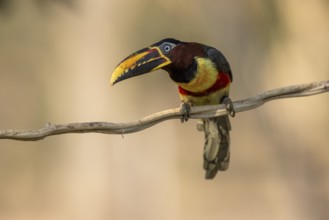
{"x": 229, "y": 106}
{"x": 185, "y": 110}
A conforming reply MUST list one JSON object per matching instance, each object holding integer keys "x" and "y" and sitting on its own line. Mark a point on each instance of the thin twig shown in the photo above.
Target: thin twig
{"x": 197, "y": 112}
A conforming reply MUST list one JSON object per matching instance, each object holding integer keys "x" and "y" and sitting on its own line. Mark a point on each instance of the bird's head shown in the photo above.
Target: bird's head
{"x": 179, "y": 59}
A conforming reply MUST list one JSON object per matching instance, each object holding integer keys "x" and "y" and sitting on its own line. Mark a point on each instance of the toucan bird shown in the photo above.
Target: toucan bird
{"x": 203, "y": 76}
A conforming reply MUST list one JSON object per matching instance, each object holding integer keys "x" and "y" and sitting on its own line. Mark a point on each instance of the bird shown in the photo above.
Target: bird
{"x": 203, "y": 76}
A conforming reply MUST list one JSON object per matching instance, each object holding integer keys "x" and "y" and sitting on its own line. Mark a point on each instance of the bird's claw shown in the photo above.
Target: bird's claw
{"x": 229, "y": 106}
{"x": 185, "y": 110}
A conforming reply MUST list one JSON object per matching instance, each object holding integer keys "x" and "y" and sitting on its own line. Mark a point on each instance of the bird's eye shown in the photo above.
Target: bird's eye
{"x": 166, "y": 48}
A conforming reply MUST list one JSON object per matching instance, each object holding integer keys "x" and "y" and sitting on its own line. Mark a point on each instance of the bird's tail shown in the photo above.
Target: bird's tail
{"x": 216, "y": 151}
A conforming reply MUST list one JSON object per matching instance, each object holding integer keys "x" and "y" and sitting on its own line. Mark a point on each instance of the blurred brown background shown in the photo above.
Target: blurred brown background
{"x": 56, "y": 57}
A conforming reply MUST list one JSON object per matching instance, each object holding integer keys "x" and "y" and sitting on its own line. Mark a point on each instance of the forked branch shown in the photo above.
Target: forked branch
{"x": 197, "y": 112}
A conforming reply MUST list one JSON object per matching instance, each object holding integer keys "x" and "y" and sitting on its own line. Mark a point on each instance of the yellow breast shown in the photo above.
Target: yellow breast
{"x": 211, "y": 99}
{"x": 206, "y": 76}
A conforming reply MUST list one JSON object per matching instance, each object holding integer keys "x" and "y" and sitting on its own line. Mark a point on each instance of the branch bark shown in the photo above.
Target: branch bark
{"x": 197, "y": 112}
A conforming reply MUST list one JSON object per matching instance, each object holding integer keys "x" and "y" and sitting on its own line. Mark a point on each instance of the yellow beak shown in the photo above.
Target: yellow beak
{"x": 143, "y": 61}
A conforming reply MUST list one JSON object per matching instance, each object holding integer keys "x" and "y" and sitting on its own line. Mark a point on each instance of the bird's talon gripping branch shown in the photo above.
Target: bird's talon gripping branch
{"x": 185, "y": 109}
{"x": 229, "y": 106}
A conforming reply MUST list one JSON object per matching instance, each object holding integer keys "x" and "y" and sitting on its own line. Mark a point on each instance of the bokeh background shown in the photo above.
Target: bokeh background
{"x": 56, "y": 57}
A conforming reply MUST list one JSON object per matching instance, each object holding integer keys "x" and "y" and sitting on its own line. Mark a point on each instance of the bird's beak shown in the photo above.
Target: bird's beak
{"x": 143, "y": 61}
